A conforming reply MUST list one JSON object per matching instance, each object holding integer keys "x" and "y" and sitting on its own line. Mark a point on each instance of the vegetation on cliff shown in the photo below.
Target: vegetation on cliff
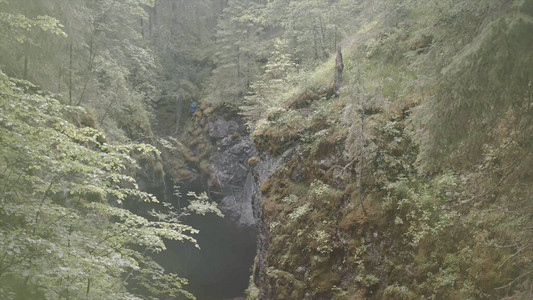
{"x": 415, "y": 181}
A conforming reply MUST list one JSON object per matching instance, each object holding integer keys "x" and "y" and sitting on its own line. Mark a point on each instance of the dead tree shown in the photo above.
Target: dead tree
{"x": 179, "y": 113}
{"x": 339, "y": 66}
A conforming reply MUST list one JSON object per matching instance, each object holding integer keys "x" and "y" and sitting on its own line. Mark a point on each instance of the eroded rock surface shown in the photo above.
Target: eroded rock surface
{"x": 232, "y": 180}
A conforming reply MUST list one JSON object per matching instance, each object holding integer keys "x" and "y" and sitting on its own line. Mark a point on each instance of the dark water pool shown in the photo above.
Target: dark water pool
{"x": 222, "y": 268}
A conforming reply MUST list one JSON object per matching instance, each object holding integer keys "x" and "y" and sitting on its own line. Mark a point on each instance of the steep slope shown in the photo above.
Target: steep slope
{"x": 415, "y": 182}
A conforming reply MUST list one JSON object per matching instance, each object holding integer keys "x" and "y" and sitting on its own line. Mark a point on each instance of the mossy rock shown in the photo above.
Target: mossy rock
{"x": 275, "y": 140}
{"x": 350, "y": 221}
{"x": 159, "y": 171}
{"x": 252, "y": 292}
{"x": 189, "y": 157}
{"x": 284, "y": 285}
{"x": 421, "y": 41}
{"x": 253, "y": 161}
{"x": 323, "y": 282}
{"x": 184, "y": 174}
{"x": 208, "y": 111}
{"x": 302, "y": 100}
{"x": 194, "y": 142}
{"x": 397, "y": 292}
{"x": 271, "y": 208}
{"x": 265, "y": 186}
{"x": 88, "y": 119}
{"x": 204, "y": 166}
{"x": 202, "y": 147}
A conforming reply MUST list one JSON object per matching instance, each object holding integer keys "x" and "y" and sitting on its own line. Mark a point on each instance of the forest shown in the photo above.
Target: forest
{"x": 266, "y": 149}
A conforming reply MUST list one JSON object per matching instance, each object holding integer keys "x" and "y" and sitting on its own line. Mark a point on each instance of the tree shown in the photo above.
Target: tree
{"x": 64, "y": 233}
{"x": 239, "y": 47}
{"x": 103, "y": 65}
{"x": 268, "y": 92}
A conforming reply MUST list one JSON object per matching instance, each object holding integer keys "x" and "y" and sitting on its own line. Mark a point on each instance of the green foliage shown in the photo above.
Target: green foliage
{"x": 323, "y": 239}
{"x": 472, "y": 99}
{"x": 260, "y": 43}
{"x": 182, "y": 35}
{"x": 238, "y": 47}
{"x": 201, "y": 205}
{"x": 103, "y": 65}
{"x": 367, "y": 280}
{"x": 64, "y": 232}
{"x": 154, "y": 283}
{"x": 419, "y": 207}
{"x": 299, "y": 211}
{"x": 268, "y": 92}
{"x": 398, "y": 292}
{"x": 17, "y": 26}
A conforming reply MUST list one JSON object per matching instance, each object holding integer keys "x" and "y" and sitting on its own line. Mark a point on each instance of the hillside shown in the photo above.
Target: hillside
{"x": 415, "y": 182}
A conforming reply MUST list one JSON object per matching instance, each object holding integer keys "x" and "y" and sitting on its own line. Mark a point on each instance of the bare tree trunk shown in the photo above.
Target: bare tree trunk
{"x": 59, "y": 79}
{"x": 362, "y": 160}
{"x": 323, "y": 38}
{"x": 88, "y": 288}
{"x": 142, "y": 28}
{"x": 25, "y": 75}
{"x": 247, "y": 57}
{"x": 70, "y": 77}
{"x": 179, "y": 113}
{"x": 315, "y": 39}
{"x": 335, "y": 38}
{"x": 107, "y": 110}
{"x": 238, "y": 61}
{"x": 362, "y": 103}
{"x": 92, "y": 57}
{"x": 152, "y": 18}
{"x": 339, "y": 66}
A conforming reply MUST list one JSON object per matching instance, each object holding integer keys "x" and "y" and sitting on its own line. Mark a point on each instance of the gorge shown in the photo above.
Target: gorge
{"x": 357, "y": 149}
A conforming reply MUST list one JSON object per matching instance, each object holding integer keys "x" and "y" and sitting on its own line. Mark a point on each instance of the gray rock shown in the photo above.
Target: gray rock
{"x": 235, "y": 184}
{"x": 238, "y": 205}
{"x": 222, "y": 128}
{"x": 225, "y": 142}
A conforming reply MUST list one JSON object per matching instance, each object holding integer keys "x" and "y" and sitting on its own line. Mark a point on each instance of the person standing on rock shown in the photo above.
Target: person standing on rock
{"x": 192, "y": 108}
{"x": 195, "y": 115}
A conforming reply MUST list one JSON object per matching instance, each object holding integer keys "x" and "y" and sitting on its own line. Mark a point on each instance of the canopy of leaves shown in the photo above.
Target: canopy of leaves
{"x": 63, "y": 233}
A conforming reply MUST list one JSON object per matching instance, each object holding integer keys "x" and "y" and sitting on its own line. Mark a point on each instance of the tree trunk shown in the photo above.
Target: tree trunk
{"x": 315, "y": 39}
{"x": 142, "y": 28}
{"x": 362, "y": 160}
{"x": 179, "y": 113}
{"x": 339, "y": 66}
{"x": 88, "y": 288}
{"x": 59, "y": 79}
{"x": 152, "y": 18}
{"x": 238, "y": 61}
{"x": 323, "y": 38}
{"x": 335, "y": 37}
{"x": 92, "y": 57}
{"x": 70, "y": 77}
{"x": 247, "y": 56}
{"x": 25, "y": 75}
